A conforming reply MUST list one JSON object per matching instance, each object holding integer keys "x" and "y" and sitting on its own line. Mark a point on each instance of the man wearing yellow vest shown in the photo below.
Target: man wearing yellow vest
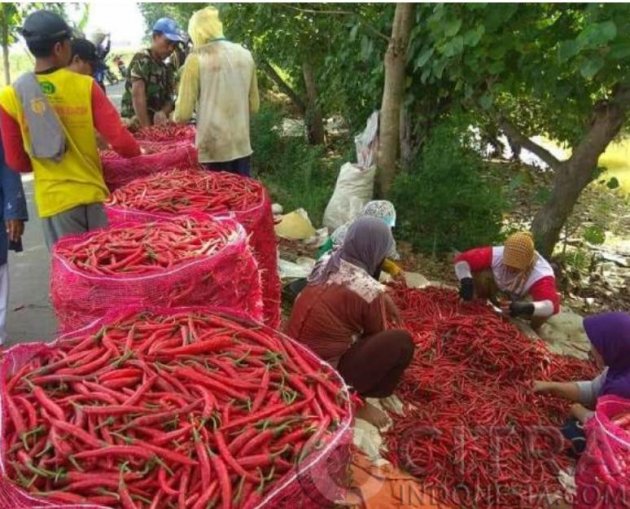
{"x": 49, "y": 120}
{"x": 219, "y": 81}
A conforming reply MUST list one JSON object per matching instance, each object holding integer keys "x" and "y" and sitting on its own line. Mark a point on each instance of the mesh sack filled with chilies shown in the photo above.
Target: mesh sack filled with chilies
{"x": 158, "y": 156}
{"x": 154, "y": 407}
{"x": 191, "y": 260}
{"x": 603, "y": 472}
{"x": 184, "y": 191}
{"x": 166, "y": 133}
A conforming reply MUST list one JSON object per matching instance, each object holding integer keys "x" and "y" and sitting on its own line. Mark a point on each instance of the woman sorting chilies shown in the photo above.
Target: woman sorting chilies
{"x": 342, "y": 316}
{"x": 609, "y": 334}
{"x": 515, "y": 270}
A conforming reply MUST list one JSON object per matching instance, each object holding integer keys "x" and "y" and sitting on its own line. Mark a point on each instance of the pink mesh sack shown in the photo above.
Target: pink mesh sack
{"x": 118, "y": 170}
{"x": 310, "y": 480}
{"x": 603, "y": 472}
{"x": 184, "y": 191}
{"x": 187, "y": 261}
{"x": 166, "y": 133}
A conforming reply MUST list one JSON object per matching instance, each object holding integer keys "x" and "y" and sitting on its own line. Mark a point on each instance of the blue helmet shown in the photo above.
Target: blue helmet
{"x": 169, "y": 28}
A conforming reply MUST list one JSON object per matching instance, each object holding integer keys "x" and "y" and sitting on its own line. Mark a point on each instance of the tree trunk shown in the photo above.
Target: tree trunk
{"x": 314, "y": 119}
{"x": 393, "y": 95}
{"x": 5, "y": 44}
{"x": 573, "y": 175}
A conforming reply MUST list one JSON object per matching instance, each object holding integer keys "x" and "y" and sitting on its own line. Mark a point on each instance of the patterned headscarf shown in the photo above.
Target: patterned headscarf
{"x": 380, "y": 209}
{"x": 366, "y": 245}
{"x": 609, "y": 333}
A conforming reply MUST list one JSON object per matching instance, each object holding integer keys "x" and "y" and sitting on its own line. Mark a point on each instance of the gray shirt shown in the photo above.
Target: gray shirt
{"x": 590, "y": 390}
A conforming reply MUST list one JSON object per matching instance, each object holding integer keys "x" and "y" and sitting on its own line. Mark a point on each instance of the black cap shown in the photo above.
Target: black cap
{"x": 43, "y": 26}
{"x": 85, "y": 50}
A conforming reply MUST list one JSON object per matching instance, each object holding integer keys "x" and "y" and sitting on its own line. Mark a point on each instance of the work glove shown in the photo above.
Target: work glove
{"x": 466, "y": 289}
{"x": 525, "y": 309}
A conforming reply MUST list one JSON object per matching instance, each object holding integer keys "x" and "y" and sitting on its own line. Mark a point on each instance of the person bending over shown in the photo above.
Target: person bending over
{"x": 342, "y": 316}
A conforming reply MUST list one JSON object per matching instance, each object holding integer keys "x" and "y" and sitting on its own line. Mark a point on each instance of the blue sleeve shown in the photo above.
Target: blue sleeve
{"x": 14, "y": 199}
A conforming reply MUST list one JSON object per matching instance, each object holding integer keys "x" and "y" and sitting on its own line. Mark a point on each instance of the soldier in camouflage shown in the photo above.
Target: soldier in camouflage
{"x": 149, "y": 89}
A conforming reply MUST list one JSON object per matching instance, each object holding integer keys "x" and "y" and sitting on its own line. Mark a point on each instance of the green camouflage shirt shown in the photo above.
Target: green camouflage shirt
{"x": 158, "y": 79}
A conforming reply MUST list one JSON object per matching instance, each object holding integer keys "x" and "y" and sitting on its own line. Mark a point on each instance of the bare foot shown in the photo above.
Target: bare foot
{"x": 373, "y": 415}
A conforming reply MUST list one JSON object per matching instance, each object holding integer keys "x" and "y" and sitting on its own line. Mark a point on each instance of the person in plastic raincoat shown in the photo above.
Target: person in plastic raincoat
{"x": 219, "y": 82}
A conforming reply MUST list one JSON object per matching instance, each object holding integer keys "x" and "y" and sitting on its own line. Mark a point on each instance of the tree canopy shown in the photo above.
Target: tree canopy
{"x": 558, "y": 70}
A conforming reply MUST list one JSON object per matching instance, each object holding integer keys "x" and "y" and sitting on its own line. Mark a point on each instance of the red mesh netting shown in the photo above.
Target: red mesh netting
{"x": 273, "y": 386}
{"x": 190, "y": 190}
{"x": 168, "y": 132}
{"x": 603, "y": 472}
{"x": 184, "y": 262}
{"x": 119, "y": 171}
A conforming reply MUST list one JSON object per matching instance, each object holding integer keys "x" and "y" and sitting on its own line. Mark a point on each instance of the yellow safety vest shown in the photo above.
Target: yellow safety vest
{"x": 78, "y": 178}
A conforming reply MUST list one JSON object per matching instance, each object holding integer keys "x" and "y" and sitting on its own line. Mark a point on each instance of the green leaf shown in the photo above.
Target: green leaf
{"x": 452, "y": 27}
{"x": 608, "y": 30}
{"x": 473, "y": 36}
{"x": 591, "y": 67}
{"x": 567, "y": 50}
{"x": 366, "y": 48}
{"x": 486, "y": 101}
{"x": 438, "y": 68}
{"x": 620, "y": 51}
{"x": 454, "y": 47}
{"x": 424, "y": 57}
{"x": 594, "y": 235}
{"x": 597, "y": 34}
{"x": 496, "y": 67}
{"x": 613, "y": 183}
{"x": 353, "y": 32}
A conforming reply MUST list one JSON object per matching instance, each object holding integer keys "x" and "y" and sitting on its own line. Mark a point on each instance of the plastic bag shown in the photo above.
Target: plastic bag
{"x": 366, "y": 143}
{"x": 603, "y": 472}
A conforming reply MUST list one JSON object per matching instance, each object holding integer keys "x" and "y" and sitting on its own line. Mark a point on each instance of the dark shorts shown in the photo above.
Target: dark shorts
{"x": 241, "y": 166}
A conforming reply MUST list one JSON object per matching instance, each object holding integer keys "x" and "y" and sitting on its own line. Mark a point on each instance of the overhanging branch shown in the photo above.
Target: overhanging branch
{"x": 362, "y": 21}
{"x": 283, "y": 86}
{"x": 513, "y": 132}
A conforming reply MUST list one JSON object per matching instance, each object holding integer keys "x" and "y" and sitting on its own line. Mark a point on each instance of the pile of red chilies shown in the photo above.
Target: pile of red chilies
{"x": 167, "y": 132}
{"x": 187, "y": 410}
{"x": 187, "y": 191}
{"x": 475, "y": 433}
{"x": 146, "y": 248}
{"x": 148, "y": 149}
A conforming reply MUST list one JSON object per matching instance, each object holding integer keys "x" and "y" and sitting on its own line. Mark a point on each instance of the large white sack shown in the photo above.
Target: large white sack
{"x": 354, "y": 188}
